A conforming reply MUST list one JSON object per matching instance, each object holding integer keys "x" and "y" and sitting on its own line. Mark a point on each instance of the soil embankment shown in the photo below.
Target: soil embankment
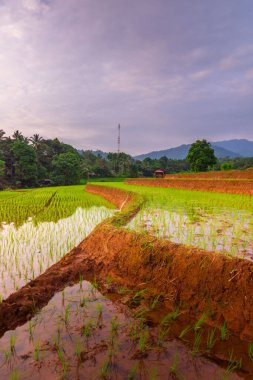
{"x": 214, "y": 185}
{"x": 246, "y": 174}
{"x": 193, "y": 280}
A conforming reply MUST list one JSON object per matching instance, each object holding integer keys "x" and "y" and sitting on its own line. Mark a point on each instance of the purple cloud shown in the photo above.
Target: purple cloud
{"x": 168, "y": 71}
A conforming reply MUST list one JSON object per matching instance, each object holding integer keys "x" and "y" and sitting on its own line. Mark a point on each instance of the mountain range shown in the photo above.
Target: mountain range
{"x": 227, "y": 148}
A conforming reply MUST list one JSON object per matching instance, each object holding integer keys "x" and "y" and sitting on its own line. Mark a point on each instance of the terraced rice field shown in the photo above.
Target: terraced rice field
{"x": 123, "y": 304}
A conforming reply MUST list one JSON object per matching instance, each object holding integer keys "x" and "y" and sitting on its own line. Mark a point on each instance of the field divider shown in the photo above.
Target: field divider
{"x": 190, "y": 279}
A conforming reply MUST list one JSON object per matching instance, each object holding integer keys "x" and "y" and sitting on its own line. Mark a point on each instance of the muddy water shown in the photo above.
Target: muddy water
{"x": 227, "y": 231}
{"x": 81, "y": 334}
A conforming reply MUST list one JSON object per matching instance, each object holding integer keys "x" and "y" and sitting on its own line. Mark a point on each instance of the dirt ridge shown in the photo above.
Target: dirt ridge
{"x": 244, "y": 187}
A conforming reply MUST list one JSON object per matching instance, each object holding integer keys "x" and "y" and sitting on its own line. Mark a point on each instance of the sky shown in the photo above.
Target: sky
{"x": 169, "y": 71}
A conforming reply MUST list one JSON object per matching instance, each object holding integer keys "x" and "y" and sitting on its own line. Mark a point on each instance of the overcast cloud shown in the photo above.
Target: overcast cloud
{"x": 169, "y": 71}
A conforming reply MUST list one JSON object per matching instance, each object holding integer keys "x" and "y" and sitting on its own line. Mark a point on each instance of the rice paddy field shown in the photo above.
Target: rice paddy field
{"x": 212, "y": 221}
{"x": 38, "y": 227}
{"x": 100, "y": 330}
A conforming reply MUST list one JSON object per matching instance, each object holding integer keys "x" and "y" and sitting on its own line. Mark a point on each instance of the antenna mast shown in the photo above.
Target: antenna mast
{"x": 118, "y": 139}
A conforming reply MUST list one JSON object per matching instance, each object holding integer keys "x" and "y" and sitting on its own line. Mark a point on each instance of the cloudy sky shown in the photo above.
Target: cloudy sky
{"x": 169, "y": 71}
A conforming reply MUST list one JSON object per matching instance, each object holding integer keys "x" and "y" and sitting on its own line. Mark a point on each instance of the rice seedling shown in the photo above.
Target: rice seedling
{"x": 143, "y": 341}
{"x": 200, "y": 322}
{"x": 78, "y": 348}
{"x": 114, "y": 326}
{"x": 197, "y": 342}
{"x": 12, "y": 343}
{"x": 138, "y": 296}
{"x": 163, "y": 333}
{"x": 211, "y": 339}
{"x": 155, "y": 302}
{"x": 224, "y": 331}
{"x": 83, "y": 301}
{"x": 134, "y": 332}
{"x": 174, "y": 365}
{"x": 104, "y": 370}
{"x": 232, "y": 366}
{"x": 109, "y": 281}
{"x": 172, "y": 316}
{"x": 99, "y": 309}
{"x": 63, "y": 297}
{"x": 122, "y": 290}
{"x": 67, "y": 314}
{"x": 250, "y": 350}
{"x": 37, "y": 350}
{"x": 62, "y": 361}
{"x": 30, "y": 329}
{"x": 14, "y": 374}
{"x": 87, "y": 329}
{"x": 185, "y": 331}
{"x": 81, "y": 281}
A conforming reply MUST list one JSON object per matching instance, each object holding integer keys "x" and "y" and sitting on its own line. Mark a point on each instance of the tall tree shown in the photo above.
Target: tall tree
{"x": 201, "y": 156}
{"x": 66, "y": 169}
{"x": 24, "y": 163}
{"x": 36, "y": 141}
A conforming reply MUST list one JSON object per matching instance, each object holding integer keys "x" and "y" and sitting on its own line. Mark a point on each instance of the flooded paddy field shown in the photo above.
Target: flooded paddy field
{"x": 39, "y": 227}
{"x": 123, "y": 328}
{"x": 211, "y": 221}
{"x": 82, "y": 334}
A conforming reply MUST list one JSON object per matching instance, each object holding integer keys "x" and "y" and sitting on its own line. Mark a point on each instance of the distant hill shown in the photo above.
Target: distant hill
{"x": 229, "y": 148}
{"x": 242, "y": 147}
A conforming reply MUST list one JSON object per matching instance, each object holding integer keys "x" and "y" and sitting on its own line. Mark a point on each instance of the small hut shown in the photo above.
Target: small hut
{"x": 159, "y": 173}
{"x": 46, "y": 182}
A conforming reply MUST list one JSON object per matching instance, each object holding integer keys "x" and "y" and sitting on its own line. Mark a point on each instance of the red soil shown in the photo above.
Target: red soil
{"x": 229, "y": 174}
{"x": 220, "y": 186}
{"x": 119, "y": 198}
{"x": 190, "y": 278}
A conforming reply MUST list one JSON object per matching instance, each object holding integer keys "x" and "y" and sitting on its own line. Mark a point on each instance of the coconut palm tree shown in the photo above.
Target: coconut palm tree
{"x": 36, "y": 141}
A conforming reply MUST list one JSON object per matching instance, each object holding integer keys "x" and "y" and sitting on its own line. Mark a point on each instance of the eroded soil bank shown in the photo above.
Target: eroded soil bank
{"x": 219, "y": 185}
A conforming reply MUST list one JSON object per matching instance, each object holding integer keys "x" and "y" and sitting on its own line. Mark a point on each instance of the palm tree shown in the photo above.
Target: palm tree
{"x": 18, "y": 136}
{"x": 2, "y": 133}
{"x": 36, "y": 141}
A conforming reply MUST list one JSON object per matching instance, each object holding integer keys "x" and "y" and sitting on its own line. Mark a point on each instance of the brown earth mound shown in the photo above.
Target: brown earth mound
{"x": 188, "y": 278}
{"x": 220, "y": 186}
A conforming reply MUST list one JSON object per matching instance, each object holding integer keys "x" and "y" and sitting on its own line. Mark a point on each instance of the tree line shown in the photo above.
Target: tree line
{"x": 30, "y": 161}
{"x": 34, "y": 161}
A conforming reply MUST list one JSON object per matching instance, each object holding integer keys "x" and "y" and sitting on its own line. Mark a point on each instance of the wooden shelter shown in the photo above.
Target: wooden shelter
{"x": 159, "y": 173}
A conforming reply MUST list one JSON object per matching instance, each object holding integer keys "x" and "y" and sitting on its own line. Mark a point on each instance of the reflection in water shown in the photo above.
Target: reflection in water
{"x": 27, "y": 251}
{"x": 82, "y": 335}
